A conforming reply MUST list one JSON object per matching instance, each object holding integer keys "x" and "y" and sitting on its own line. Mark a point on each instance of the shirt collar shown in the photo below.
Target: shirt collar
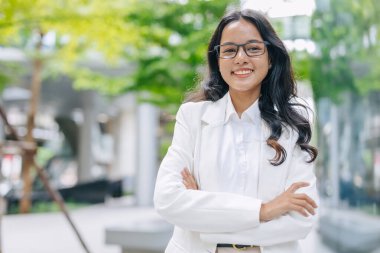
{"x": 230, "y": 109}
{"x": 252, "y": 113}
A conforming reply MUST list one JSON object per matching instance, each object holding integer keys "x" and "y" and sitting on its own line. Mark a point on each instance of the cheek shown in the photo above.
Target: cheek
{"x": 262, "y": 67}
{"x": 224, "y": 69}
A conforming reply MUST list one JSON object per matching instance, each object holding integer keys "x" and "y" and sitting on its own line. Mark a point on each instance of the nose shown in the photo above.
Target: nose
{"x": 241, "y": 56}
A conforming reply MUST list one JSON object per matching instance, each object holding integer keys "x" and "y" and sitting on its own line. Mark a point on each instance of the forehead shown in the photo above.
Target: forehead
{"x": 240, "y": 31}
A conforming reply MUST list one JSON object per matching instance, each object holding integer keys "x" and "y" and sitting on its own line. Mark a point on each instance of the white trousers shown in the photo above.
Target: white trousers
{"x": 232, "y": 250}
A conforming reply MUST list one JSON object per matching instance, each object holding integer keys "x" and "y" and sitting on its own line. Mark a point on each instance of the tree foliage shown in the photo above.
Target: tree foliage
{"x": 347, "y": 35}
{"x": 77, "y": 24}
{"x": 71, "y": 31}
{"x": 173, "y": 47}
{"x": 160, "y": 44}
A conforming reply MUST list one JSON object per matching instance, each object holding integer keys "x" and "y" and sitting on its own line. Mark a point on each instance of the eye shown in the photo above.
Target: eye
{"x": 229, "y": 50}
{"x": 253, "y": 49}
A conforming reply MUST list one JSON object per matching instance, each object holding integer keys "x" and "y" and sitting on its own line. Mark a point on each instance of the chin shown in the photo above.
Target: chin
{"x": 245, "y": 87}
{"x": 243, "y": 90}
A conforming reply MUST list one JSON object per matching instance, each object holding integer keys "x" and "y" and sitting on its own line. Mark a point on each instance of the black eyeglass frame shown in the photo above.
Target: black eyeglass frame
{"x": 217, "y": 48}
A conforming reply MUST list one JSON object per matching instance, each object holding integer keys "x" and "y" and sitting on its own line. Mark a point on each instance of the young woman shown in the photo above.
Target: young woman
{"x": 239, "y": 173}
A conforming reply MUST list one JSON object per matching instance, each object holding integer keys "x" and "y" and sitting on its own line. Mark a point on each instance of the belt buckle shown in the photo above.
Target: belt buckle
{"x": 242, "y": 248}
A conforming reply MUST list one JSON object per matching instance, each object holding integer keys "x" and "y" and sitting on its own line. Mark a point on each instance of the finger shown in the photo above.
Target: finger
{"x": 192, "y": 179}
{"x": 192, "y": 182}
{"x": 307, "y": 198}
{"x": 187, "y": 171}
{"x": 183, "y": 171}
{"x": 186, "y": 184}
{"x": 189, "y": 185}
{"x": 295, "y": 186}
{"x": 304, "y": 204}
{"x": 185, "y": 177}
{"x": 188, "y": 177}
{"x": 300, "y": 210}
{"x": 188, "y": 180}
{"x": 298, "y": 185}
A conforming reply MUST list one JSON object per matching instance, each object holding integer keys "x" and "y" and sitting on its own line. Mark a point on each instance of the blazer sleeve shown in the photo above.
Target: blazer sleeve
{"x": 289, "y": 227}
{"x": 201, "y": 211}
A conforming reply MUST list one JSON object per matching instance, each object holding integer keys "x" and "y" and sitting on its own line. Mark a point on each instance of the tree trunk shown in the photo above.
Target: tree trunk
{"x": 25, "y": 202}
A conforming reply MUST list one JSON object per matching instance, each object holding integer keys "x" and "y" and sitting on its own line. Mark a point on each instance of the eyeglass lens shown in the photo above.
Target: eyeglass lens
{"x": 251, "y": 49}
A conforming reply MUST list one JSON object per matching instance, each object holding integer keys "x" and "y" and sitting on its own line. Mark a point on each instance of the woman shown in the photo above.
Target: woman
{"x": 239, "y": 173}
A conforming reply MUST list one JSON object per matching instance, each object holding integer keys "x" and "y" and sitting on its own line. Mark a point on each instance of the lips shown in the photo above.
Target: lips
{"x": 242, "y": 72}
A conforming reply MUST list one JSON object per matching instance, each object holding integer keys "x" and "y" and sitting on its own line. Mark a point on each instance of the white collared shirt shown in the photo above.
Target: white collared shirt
{"x": 240, "y": 150}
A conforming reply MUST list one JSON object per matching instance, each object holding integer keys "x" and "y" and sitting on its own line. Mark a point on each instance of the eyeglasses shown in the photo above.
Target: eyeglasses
{"x": 251, "y": 49}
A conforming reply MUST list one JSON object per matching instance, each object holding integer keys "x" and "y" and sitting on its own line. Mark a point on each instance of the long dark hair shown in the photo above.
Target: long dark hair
{"x": 277, "y": 102}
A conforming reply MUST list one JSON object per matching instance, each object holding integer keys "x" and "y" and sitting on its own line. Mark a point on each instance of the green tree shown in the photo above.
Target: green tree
{"x": 171, "y": 55}
{"x": 77, "y": 27}
{"x": 344, "y": 69}
{"x": 347, "y": 35}
{"x": 163, "y": 42}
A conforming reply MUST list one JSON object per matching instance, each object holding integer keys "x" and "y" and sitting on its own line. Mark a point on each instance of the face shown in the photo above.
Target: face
{"x": 243, "y": 74}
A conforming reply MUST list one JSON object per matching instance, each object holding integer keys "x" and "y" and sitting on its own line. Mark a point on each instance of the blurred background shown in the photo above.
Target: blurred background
{"x": 90, "y": 89}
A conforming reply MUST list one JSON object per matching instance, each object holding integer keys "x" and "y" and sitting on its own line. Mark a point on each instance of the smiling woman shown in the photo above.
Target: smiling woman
{"x": 239, "y": 173}
{"x": 243, "y": 62}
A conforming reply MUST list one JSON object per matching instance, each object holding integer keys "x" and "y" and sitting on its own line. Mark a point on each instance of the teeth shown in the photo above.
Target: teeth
{"x": 242, "y": 72}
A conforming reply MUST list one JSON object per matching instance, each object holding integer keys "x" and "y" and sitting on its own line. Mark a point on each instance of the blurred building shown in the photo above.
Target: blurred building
{"x": 83, "y": 136}
{"x": 347, "y": 134}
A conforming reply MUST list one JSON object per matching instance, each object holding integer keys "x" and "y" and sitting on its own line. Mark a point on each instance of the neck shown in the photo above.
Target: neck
{"x": 242, "y": 100}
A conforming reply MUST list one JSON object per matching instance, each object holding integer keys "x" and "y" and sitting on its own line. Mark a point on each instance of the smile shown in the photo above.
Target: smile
{"x": 242, "y": 72}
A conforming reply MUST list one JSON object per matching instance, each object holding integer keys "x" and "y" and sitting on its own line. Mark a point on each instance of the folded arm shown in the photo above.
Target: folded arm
{"x": 202, "y": 211}
{"x": 288, "y": 227}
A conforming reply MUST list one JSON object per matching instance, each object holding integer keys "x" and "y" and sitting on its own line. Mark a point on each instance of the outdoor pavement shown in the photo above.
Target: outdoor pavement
{"x": 50, "y": 233}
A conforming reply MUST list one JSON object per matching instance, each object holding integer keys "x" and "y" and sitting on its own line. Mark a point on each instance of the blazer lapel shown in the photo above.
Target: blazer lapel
{"x": 209, "y": 163}
{"x": 207, "y": 150}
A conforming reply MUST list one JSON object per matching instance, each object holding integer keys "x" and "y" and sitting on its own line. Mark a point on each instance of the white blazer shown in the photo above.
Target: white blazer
{"x": 208, "y": 216}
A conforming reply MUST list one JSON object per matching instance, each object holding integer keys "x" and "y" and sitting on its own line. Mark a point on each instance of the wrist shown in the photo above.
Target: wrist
{"x": 264, "y": 213}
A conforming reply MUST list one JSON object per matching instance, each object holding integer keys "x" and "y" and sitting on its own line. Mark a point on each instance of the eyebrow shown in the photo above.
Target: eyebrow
{"x": 232, "y": 43}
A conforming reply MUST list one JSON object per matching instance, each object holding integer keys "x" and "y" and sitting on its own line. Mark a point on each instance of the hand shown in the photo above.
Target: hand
{"x": 288, "y": 201}
{"x": 188, "y": 180}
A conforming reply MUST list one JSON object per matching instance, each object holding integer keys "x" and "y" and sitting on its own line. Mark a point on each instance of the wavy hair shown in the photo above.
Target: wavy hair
{"x": 277, "y": 103}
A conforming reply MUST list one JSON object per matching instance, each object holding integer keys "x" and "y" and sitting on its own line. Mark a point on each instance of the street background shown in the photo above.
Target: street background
{"x": 89, "y": 92}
